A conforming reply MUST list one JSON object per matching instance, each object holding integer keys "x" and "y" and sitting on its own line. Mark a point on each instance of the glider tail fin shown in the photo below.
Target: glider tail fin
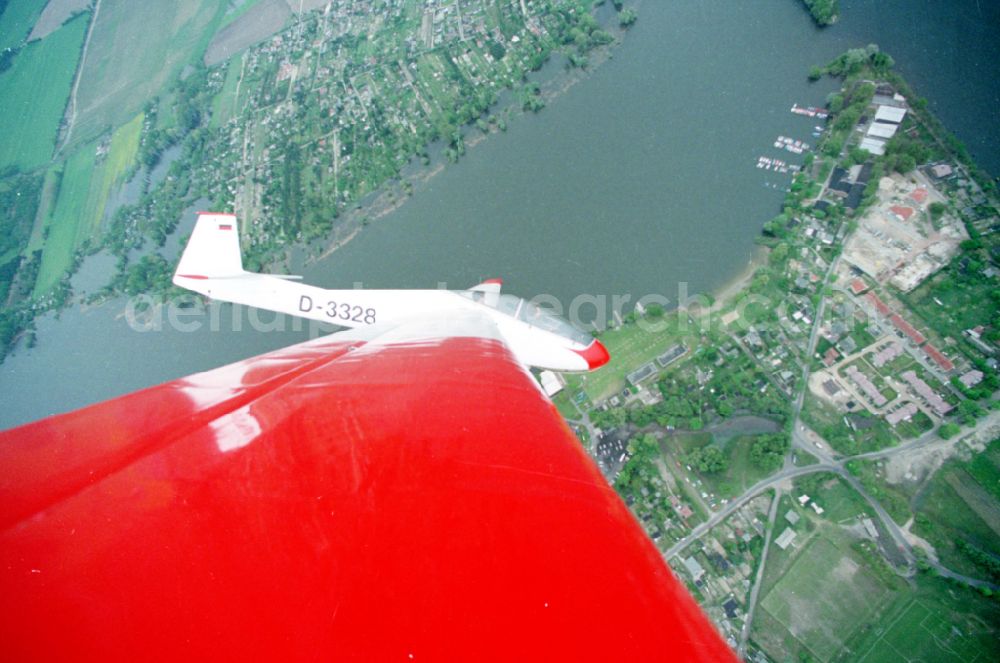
{"x": 213, "y": 250}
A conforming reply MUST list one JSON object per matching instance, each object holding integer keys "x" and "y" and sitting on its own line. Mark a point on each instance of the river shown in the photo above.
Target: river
{"x": 638, "y": 180}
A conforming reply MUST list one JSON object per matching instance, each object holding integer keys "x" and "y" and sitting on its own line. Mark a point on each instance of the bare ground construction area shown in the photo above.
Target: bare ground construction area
{"x": 260, "y": 22}
{"x": 896, "y": 240}
{"x": 56, "y": 13}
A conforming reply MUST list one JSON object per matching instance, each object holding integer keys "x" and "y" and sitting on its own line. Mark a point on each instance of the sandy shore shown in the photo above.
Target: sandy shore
{"x": 738, "y": 283}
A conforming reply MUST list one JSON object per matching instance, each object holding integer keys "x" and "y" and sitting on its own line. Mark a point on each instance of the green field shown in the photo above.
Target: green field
{"x": 34, "y": 91}
{"x": 67, "y": 215}
{"x": 135, "y": 50}
{"x": 985, "y": 468}
{"x": 112, "y": 170}
{"x": 931, "y": 621}
{"x": 740, "y": 473}
{"x": 962, "y": 297}
{"x": 824, "y": 598}
{"x": 17, "y": 20}
{"x": 50, "y": 189}
{"x": 82, "y": 195}
{"x": 919, "y": 424}
{"x": 925, "y": 618}
{"x": 630, "y": 346}
{"x": 918, "y": 634}
{"x": 946, "y": 515}
{"x": 224, "y": 105}
{"x": 870, "y": 433}
{"x": 839, "y": 501}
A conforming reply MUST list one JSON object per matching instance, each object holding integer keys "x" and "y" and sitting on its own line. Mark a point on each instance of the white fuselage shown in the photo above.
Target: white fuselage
{"x": 533, "y": 346}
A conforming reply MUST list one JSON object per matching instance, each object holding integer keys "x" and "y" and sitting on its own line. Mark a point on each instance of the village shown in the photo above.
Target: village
{"x": 854, "y": 342}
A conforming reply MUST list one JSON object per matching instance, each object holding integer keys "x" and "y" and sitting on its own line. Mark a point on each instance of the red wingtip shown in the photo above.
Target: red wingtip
{"x": 595, "y": 354}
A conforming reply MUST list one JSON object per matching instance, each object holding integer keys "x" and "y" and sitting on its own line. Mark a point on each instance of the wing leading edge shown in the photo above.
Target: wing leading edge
{"x": 361, "y": 496}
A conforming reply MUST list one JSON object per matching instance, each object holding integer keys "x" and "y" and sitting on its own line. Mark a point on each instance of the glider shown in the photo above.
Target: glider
{"x": 399, "y": 491}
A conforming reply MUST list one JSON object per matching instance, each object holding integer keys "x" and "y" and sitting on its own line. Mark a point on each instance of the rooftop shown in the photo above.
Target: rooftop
{"x": 891, "y": 114}
{"x": 786, "y": 538}
{"x": 936, "y": 355}
{"x": 904, "y": 213}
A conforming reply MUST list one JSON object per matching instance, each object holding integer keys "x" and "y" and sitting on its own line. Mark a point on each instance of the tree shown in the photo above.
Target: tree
{"x": 905, "y": 164}
{"x": 709, "y": 460}
{"x": 768, "y": 451}
{"x": 824, "y": 12}
{"x": 937, "y": 209}
{"x": 627, "y": 18}
{"x": 497, "y": 51}
{"x": 778, "y": 255}
{"x": 815, "y": 72}
{"x": 654, "y": 311}
{"x": 882, "y": 62}
{"x": 948, "y": 430}
{"x": 969, "y": 411}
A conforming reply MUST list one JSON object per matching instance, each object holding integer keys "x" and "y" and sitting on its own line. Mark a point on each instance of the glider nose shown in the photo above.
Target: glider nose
{"x": 595, "y": 354}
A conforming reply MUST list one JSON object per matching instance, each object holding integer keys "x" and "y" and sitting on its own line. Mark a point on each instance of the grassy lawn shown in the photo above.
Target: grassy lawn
{"x": 871, "y": 617}
{"x": 894, "y": 500}
{"x": 64, "y": 223}
{"x": 918, "y": 633}
{"x": 630, "y": 346}
{"x": 34, "y": 91}
{"x": 564, "y": 404}
{"x": 772, "y": 636}
{"x": 825, "y": 597}
{"x": 119, "y": 77}
{"x": 919, "y": 424}
{"x": 839, "y": 501}
{"x": 50, "y": 189}
{"x": 933, "y": 621}
{"x": 681, "y": 444}
{"x": 111, "y": 171}
{"x": 74, "y": 199}
{"x": 868, "y": 434}
{"x": 962, "y": 300}
{"x": 951, "y": 511}
{"x": 224, "y": 104}
{"x": 985, "y": 468}
{"x": 740, "y": 473}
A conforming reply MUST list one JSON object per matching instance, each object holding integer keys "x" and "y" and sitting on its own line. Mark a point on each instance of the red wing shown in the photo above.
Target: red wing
{"x": 334, "y": 500}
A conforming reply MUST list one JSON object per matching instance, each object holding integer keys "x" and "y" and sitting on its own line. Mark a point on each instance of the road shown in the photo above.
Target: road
{"x": 837, "y": 466}
{"x": 829, "y": 461}
{"x": 741, "y": 649}
{"x": 734, "y": 505}
{"x": 71, "y": 119}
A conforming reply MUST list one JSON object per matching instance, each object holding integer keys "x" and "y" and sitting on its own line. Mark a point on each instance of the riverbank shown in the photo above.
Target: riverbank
{"x": 730, "y": 290}
{"x": 395, "y": 194}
